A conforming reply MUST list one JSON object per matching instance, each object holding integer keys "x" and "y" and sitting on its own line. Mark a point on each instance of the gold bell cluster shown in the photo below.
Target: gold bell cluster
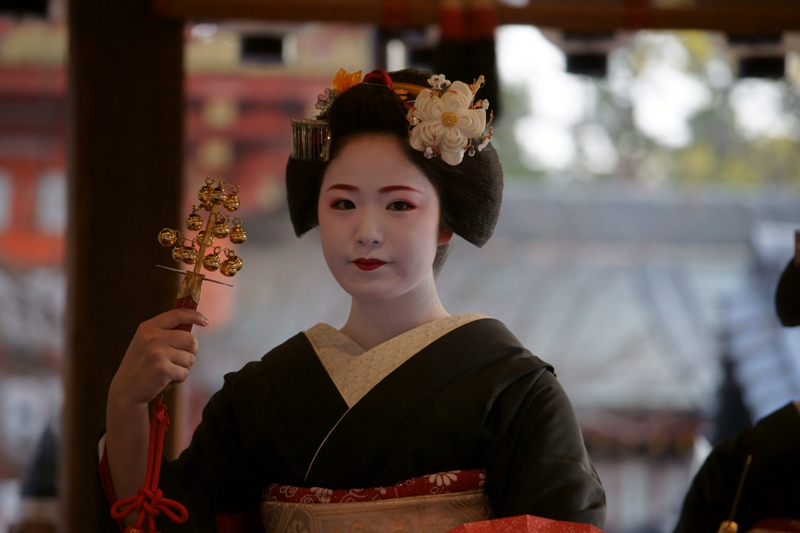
{"x": 214, "y": 196}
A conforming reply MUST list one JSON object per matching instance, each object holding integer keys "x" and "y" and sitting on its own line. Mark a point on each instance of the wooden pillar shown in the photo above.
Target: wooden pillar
{"x": 125, "y": 155}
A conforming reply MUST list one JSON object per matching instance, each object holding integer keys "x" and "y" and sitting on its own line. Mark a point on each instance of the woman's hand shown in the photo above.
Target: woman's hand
{"x": 157, "y": 356}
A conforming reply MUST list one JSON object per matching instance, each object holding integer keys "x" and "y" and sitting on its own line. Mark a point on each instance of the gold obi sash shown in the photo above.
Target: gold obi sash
{"x": 430, "y": 504}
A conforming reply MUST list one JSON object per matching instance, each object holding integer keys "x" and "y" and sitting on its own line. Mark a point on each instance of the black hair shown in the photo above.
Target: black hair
{"x": 470, "y": 193}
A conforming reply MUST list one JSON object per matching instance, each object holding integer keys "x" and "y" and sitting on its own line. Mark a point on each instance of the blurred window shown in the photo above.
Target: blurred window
{"x": 51, "y": 202}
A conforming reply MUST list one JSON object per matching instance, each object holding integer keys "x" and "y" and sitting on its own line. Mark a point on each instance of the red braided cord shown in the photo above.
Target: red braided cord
{"x": 149, "y": 501}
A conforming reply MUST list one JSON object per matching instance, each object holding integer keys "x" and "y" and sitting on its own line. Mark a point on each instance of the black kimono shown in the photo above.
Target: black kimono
{"x": 771, "y": 488}
{"x": 473, "y": 398}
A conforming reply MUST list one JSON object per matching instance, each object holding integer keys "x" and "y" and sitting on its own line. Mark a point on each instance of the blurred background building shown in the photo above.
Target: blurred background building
{"x": 652, "y": 183}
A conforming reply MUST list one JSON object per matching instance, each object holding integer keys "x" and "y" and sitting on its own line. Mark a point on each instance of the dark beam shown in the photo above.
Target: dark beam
{"x": 125, "y": 132}
{"x": 570, "y": 15}
{"x": 388, "y": 13}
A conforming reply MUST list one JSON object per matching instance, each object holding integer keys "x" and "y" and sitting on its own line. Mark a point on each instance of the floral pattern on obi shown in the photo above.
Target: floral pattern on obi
{"x": 428, "y": 504}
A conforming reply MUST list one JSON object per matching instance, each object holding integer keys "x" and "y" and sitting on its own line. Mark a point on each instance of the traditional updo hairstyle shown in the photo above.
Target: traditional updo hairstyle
{"x": 470, "y": 193}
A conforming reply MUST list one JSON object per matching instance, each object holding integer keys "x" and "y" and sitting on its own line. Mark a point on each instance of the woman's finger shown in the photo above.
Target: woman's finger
{"x": 181, "y": 358}
{"x": 178, "y": 374}
{"x": 175, "y": 317}
{"x": 180, "y": 340}
{"x": 174, "y": 366}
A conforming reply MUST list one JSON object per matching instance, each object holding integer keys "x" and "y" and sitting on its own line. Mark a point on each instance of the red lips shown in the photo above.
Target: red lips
{"x": 368, "y": 264}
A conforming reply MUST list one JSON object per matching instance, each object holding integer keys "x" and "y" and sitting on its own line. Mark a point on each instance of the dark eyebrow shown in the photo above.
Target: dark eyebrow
{"x": 393, "y": 188}
{"x": 343, "y": 187}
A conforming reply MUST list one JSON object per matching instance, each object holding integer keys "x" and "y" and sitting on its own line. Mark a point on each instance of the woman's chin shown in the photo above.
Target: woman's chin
{"x": 373, "y": 290}
{"x": 372, "y": 293}
{"x": 382, "y": 285}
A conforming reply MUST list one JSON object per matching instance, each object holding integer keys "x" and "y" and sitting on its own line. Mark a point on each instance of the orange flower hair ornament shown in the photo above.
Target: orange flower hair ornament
{"x": 341, "y": 82}
{"x": 344, "y": 80}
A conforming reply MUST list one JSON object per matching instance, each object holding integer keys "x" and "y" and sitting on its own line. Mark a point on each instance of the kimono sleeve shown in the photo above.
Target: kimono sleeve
{"x": 537, "y": 462}
{"x": 216, "y": 471}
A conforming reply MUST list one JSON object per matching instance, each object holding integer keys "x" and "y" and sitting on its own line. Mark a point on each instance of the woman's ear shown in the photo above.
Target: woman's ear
{"x": 445, "y": 235}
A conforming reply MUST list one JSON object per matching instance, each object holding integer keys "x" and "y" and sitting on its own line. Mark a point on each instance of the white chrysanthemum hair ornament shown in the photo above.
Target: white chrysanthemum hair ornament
{"x": 446, "y": 120}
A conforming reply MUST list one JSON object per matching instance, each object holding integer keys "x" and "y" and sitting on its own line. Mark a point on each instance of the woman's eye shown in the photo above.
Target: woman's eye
{"x": 343, "y": 205}
{"x": 400, "y": 206}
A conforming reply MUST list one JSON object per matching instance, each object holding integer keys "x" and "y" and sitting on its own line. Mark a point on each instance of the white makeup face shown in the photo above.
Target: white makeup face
{"x": 378, "y": 221}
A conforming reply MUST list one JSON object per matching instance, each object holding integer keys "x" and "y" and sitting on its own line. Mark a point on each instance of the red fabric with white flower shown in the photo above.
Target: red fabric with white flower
{"x": 441, "y": 483}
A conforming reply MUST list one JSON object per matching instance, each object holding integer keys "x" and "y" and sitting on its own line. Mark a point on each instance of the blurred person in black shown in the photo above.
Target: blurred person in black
{"x": 787, "y": 295}
{"x": 38, "y": 504}
{"x": 771, "y": 488}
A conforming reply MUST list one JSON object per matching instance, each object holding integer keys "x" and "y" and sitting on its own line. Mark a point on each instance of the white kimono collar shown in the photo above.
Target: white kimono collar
{"x": 356, "y": 371}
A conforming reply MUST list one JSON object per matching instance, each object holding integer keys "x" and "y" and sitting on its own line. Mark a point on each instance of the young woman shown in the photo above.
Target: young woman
{"x": 403, "y": 391}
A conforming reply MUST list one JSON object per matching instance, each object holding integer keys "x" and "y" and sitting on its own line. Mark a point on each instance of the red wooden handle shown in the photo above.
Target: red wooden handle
{"x": 185, "y": 303}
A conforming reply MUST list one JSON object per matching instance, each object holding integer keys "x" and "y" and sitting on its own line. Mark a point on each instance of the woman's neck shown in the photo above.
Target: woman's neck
{"x": 374, "y": 322}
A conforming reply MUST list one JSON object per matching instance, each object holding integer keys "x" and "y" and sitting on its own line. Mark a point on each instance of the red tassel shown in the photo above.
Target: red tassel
{"x": 149, "y": 501}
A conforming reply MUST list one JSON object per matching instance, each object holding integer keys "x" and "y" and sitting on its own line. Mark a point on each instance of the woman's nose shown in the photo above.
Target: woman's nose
{"x": 368, "y": 230}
